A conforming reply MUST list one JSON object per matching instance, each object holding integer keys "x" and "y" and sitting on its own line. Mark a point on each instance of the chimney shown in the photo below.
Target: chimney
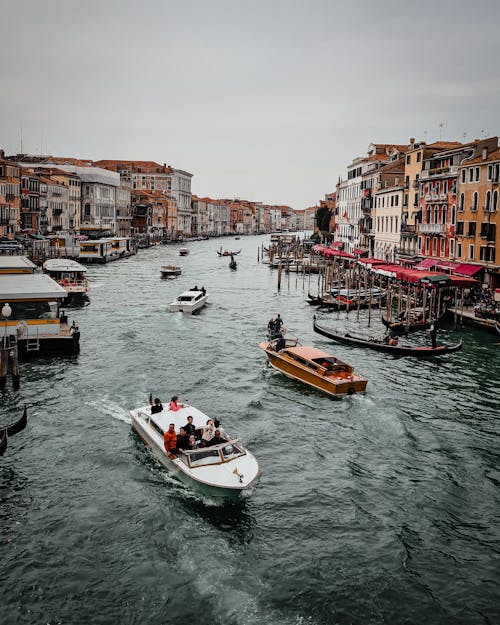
{"x": 412, "y": 141}
{"x": 485, "y": 153}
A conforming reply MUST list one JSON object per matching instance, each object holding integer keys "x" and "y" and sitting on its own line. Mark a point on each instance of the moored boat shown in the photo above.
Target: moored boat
{"x": 227, "y": 470}
{"x": 313, "y": 367}
{"x": 190, "y": 301}
{"x": 414, "y": 323}
{"x": 70, "y": 275}
{"x": 170, "y": 271}
{"x": 35, "y": 318}
{"x": 419, "y": 351}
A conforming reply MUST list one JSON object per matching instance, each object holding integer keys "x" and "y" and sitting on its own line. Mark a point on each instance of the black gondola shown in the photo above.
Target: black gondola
{"x": 227, "y": 253}
{"x": 3, "y": 441}
{"x": 379, "y": 345}
{"x": 330, "y": 301}
{"x": 497, "y": 326}
{"x": 19, "y": 425}
{"x": 232, "y": 264}
{"x": 404, "y": 327}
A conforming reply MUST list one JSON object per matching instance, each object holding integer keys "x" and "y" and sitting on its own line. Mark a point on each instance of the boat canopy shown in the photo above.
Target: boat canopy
{"x": 16, "y": 264}
{"x": 18, "y": 287}
{"x": 63, "y": 264}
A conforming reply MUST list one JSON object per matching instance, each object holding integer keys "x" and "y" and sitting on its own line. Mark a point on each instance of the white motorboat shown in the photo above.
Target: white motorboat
{"x": 227, "y": 470}
{"x": 69, "y": 274}
{"x": 183, "y": 251}
{"x": 190, "y": 301}
{"x": 170, "y": 271}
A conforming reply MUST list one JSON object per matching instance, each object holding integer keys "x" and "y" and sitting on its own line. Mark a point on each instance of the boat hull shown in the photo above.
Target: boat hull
{"x": 335, "y": 384}
{"x": 50, "y": 346}
{"x": 176, "y": 468}
{"x": 189, "y": 309}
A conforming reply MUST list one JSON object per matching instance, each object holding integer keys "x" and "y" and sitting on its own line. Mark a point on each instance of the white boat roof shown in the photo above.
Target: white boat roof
{"x": 29, "y": 286}
{"x": 63, "y": 264}
{"x": 16, "y": 262}
{"x": 190, "y": 293}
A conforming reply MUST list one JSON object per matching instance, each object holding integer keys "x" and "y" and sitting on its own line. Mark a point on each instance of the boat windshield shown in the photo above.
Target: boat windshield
{"x": 214, "y": 455}
{"x": 203, "y": 457}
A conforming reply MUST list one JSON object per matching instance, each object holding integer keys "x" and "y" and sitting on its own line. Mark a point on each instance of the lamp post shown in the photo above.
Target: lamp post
{"x": 6, "y": 313}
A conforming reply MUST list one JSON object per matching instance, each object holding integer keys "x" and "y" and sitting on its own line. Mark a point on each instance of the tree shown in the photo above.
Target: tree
{"x": 322, "y": 217}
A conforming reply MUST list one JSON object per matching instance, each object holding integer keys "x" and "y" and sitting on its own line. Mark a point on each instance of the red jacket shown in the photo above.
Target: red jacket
{"x": 170, "y": 440}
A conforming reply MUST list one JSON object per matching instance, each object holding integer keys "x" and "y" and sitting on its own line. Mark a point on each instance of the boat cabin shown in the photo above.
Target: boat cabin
{"x": 99, "y": 250}
{"x": 16, "y": 265}
{"x": 190, "y": 296}
{"x": 317, "y": 360}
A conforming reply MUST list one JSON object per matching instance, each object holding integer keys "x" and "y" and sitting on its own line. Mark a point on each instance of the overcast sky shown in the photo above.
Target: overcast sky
{"x": 267, "y": 100}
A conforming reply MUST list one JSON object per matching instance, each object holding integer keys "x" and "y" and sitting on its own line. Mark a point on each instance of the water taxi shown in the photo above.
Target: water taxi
{"x": 35, "y": 318}
{"x": 70, "y": 275}
{"x": 227, "y": 470}
{"x": 170, "y": 271}
{"x": 105, "y": 250}
{"x": 183, "y": 251}
{"x": 314, "y": 367}
{"x": 190, "y": 301}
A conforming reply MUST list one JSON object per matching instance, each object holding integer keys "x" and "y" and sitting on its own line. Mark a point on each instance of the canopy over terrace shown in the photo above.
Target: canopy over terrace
{"x": 415, "y": 276}
{"x": 329, "y": 252}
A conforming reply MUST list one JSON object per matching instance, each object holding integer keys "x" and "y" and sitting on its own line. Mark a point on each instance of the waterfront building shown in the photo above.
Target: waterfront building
{"x": 200, "y": 223}
{"x": 123, "y": 211}
{"x": 387, "y": 210}
{"x": 438, "y": 198}
{"x": 56, "y": 203}
{"x": 415, "y": 157}
{"x": 354, "y": 226}
{"x": 150, "y": 214}
{"x": 30, "y": 202}
{"x": 10, "y": 197}
{"x": 477, "y": 229}
{"x": 274, "y": 219}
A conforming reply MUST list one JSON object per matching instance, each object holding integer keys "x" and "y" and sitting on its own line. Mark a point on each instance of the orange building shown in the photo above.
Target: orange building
{"x": 10, "y": 197}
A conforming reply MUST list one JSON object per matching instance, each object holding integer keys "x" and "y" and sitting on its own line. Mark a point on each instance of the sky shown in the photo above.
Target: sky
{"x": 266, "y": 100}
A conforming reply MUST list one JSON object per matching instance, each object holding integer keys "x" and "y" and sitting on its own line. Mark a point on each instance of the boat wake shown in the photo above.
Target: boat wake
{"x": 108, "y": 408}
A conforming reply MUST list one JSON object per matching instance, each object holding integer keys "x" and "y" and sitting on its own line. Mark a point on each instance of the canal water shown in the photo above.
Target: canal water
{"x": 376, "y": 509}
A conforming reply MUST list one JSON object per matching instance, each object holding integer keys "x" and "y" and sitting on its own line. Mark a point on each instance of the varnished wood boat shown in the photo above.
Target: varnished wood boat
{"x": 170, "y": 271}
{"x": 423, "y": 351}
{"x": 314, "y": 367}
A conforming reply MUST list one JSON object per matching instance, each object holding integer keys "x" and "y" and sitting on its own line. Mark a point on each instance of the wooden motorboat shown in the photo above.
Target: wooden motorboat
{"x": 190, "y": 301}
{"x": 227, "y": 252}
{"x": 227, "y": 470}
{"x": 379, "y": 345}
{"x": 170, "y": 271}
{"x": 69, "y": 274}
{"x": 183, "y": 251}
{"x": 314, "y": 367}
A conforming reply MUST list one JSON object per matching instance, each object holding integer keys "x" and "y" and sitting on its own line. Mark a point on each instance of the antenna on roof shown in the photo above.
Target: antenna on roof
{"x": 425, "y": 135}
{"x": 441, "y": 130}
{"x": 464, "y": 135}
{"x": 21, "y": 137}
{"x": 483, "y": 133}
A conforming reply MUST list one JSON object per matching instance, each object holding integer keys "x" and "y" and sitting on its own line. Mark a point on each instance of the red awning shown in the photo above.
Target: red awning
{"x": 337, "y": 245}
{"x": 463, "y": 282}
{"x": 427, "y": 263}
{"x": 446, "y": 265}
{"x": 464, "y": 269}
{"x": 371, "y": 261}
{"x": 360, "y": 250}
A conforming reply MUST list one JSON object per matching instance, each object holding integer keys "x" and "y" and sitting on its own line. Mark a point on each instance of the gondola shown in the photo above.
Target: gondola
{"x": 3, "y": 441}
{"x": 497, "y": 326}
{"x": 379, "y": 346}
{"x": 341, "y": 302}
{"x": 227, "y": 252}
{"x": 402, "y": 327}
{"x": 232, "y": 264}
{"x": 19, "y": 425}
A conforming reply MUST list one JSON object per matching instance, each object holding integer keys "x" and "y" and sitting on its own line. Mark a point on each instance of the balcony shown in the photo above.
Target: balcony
{"x": 438, "y": 171}
{"x": 432, "y": 228}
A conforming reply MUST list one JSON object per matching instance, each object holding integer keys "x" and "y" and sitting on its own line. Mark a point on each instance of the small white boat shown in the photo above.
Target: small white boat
{"x": 190, "y": 301}
{"x": 227, "y": 470}
{"x": 170, "y": 271}
{"x": 183, "y": 251}
{"x": 69, "y": 274}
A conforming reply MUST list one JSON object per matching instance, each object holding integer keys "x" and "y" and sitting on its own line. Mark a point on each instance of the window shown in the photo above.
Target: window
{"x": 471, "y": 174}
{"x": 472, "y": 229}
{"x": 477, "y": 174}
{"x": 408, "y": 159}
{"x": 471, "y": 251}
{"x": 462, "y": 202}
{"x": 474, "y": 202}
{"x": 487, "y": 202}
{"x": 459, "y": 250}
{"x": 434, "y": 246}
{"x": 436, "y": 214}
{"x": 452, "y": 247}
{"x": 463, "y": 175}
{"x": 427, "y": 244}
{"x": 419, "y": 157}
{"x": 460, "y": 227}
{"x": 495, "y": 201}
{"x": 444, "y": 214}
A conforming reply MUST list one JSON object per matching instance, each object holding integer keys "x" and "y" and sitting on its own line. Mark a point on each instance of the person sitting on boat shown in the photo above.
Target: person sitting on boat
{"x": 192, "y": 443}
{"x": 280, "y": 344}
{"x": 173, "y": 405}
{"x": 393, "y": 340}
{"x": 221, "y": 429}
{"x": 182, "y": 439}
{"x": 156, "y": 406}
{"x": 217, "y": 439}
{"x": 189, "y": 427}
{"x": 170, "y": 439}
{"x": 208, "y": 431}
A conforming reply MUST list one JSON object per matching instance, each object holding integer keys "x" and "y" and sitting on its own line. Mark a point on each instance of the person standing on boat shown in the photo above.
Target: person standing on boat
{"x": 278, "y": 322}
{"x": 433, "y": 333}
{"x": 170, "y": 439}
{"x": 156, "y": 405}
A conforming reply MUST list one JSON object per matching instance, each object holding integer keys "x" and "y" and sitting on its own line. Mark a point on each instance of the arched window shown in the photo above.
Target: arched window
{"x": 436, "y": 214}
{"x": 487, "y": 201}
{"x": 428, "y": 215}
{"x": 444, "y": 214}
{"x": 453, "y": 215}
{"x": 474, "y": 201}
{"x": 462, "y": 202}
{"x": 495, "y": 201}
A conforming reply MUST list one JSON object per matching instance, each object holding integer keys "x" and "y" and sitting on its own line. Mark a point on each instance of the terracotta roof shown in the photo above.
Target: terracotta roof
{"x": 492, "y": 156}
{"x": 133, "y": 165}
{"x": 444, "y": 145}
